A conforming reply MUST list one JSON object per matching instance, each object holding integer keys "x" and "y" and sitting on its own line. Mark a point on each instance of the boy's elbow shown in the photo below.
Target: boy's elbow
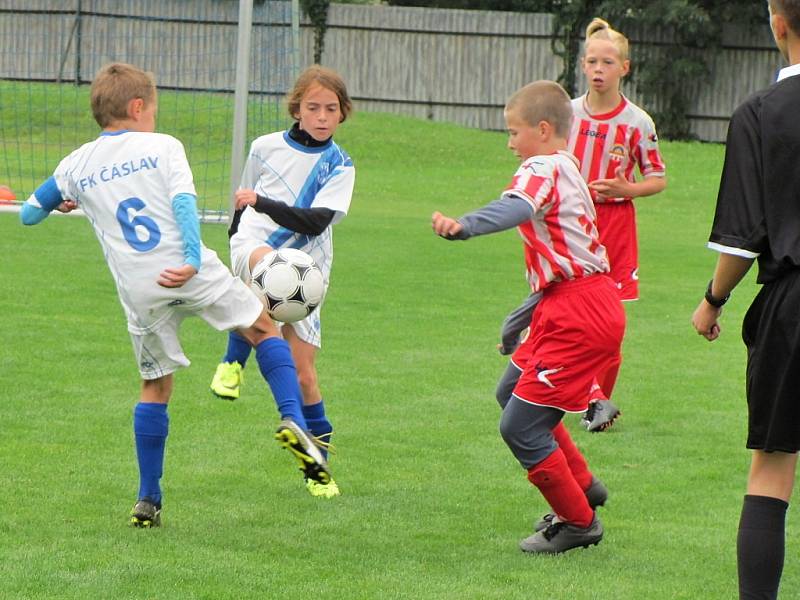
{"x": 316, "y": 230}
{"x": 31, "y": 215}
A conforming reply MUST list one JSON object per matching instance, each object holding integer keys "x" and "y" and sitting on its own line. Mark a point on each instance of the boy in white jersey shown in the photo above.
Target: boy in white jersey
{"x": 577, "y": 327}
{"x": 136, "y": 188}
{"x": 295, "y": 186}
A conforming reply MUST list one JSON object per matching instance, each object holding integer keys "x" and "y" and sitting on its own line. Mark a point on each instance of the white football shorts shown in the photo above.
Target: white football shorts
{"x": 158, "y": 350}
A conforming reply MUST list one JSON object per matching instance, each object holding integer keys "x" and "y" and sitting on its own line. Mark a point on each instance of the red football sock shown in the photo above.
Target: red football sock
{"x": 556, "y": 483}
{"x": 577, "y": 463}
{"x": 607, "y": 378}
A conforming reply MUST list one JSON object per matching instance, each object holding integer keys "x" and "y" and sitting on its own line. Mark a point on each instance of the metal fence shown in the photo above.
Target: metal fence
{"x": 444, "y": 65}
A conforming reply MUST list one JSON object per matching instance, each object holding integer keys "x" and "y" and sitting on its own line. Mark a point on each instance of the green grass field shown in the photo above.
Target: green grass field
{"x": 433, "y": 504}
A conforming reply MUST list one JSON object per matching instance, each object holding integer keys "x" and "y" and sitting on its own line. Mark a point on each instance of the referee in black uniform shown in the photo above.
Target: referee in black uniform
{"x": 758, "y": 219}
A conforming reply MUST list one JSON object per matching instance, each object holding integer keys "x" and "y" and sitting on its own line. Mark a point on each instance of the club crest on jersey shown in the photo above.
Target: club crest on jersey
{"x": 617, "y": 152}
{"x": 323, "y": 173}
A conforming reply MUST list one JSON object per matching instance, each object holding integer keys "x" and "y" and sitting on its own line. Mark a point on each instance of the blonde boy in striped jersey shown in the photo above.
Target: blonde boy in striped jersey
{"x": 577, "y": 327}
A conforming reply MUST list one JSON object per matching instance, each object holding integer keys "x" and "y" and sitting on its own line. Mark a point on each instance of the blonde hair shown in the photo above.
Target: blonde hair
{"x": 543, "y": 101}
{"x": 114, "y": 86}
{"x": 327, "y": 78}
{"x": 599, "y": 29}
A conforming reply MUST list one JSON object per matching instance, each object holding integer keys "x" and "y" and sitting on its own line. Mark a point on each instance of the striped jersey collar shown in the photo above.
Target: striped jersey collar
{"x": 605, "y": 116}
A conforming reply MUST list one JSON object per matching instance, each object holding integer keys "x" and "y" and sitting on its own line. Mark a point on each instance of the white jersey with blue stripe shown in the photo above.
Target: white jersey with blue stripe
{"x": 125, "y": 183}
{"x": 299, "y": 176}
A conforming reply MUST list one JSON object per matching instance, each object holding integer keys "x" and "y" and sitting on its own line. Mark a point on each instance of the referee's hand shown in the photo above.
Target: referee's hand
{"x": 705, "y": 320}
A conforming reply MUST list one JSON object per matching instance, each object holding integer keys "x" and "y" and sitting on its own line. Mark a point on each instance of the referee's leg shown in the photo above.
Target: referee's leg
{"x": 760, "y": 544}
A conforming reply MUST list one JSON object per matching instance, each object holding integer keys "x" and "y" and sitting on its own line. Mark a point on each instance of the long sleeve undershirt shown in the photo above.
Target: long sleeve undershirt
{"x": 310, "y": 221}
{"x": 184, "y": 207}
{"x": 502, "y": 214}
{"x": 47, "y": 196}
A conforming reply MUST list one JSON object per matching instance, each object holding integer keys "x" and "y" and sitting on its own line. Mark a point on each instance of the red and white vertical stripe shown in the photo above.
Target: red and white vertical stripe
{"x": 561, "y": 239}
{"x": 623, "y": 138}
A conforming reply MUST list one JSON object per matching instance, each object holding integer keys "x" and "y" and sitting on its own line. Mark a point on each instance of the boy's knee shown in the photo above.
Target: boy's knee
{"x": 263, "y": 328}
{"x": 503, "y": 392}
{"x": 529, "y": 441}
{"x": 157, "y": 391}
{"x": 506, "y": 384}
{"x": 509, "y": 429}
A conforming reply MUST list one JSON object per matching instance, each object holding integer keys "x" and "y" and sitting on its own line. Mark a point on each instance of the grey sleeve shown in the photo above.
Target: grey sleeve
{"x": 502, "y": 214}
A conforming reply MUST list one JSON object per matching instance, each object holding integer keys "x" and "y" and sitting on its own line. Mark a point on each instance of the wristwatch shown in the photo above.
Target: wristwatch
{"x": 715, "y": 302}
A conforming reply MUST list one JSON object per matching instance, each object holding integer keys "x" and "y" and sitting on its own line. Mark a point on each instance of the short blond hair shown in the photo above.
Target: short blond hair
{"x": 327, "y": 78}
{"x": 599, "y": 29}
{"x": 114, "y": 86}
{"x": 543, "y": 100}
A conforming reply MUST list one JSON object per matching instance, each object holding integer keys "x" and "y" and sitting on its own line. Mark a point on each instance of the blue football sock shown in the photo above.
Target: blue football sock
{"x": 150, "y": 428}
{"x": 277, "y": 366}
{"x": 318, "y": 423}
{"x": 238, "y": 349}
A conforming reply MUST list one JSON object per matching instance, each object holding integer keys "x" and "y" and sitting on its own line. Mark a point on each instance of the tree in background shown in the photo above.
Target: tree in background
{"x": 665, "y": 79}
{"x": 317, "y": 13}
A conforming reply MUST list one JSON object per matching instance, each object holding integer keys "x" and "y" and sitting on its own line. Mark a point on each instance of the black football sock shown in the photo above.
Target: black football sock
{"x": 760, "y": 547}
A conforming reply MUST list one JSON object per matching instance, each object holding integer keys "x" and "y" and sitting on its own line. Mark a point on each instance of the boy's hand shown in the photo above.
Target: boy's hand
{"x": 176, "y": 277}
{"x": 445, "y": 226}
{"x": 619, "y": 187}
{"x": 705, "y": 320}
{"x": 67, "y": 206}
{"x": 244, "y": 198}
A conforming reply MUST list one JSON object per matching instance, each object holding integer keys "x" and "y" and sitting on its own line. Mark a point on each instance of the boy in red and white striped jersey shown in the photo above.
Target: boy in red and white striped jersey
{"x": 578, "y": 325}
{"x": 611, "y": 137}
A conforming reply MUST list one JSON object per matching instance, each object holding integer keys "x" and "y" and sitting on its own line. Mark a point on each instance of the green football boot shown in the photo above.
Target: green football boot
{"x": 227, "y": 379}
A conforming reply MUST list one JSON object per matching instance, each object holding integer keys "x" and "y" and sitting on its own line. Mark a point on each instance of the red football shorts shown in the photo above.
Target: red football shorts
{"x": 575, "y": 333}
{"x": 616, "y": 223}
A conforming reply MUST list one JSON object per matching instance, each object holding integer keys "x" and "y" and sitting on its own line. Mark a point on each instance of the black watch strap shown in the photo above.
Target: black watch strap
{"x": 715, "y": 302}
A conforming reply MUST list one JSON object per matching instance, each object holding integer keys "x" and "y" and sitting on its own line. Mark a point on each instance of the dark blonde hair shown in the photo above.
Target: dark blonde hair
{"x": 327, "y": 78}
{"x": 114, "y": 86}
{"x": 543, "y": 101}
{"x": 790, "y": 10}
{"x": 599, "y": 29}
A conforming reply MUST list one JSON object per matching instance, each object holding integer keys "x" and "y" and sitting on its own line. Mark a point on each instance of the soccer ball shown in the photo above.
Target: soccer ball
{"x": 289, "y": 283}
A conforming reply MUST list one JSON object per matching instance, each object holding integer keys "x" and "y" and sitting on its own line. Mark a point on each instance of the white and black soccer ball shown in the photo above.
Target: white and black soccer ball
{"x": 289, "y": 283}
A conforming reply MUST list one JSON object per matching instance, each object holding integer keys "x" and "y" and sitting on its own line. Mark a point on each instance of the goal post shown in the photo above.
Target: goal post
{"x": 49, "y": 52}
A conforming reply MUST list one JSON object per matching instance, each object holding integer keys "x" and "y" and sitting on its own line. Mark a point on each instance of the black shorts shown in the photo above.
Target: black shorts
{"x": 771, "y": 332}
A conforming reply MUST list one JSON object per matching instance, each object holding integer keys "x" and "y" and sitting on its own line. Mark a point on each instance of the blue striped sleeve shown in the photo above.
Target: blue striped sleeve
{"x": 44, "y": 200}
{"x": 31, "y": 215}
{"x": 184, "y": 207}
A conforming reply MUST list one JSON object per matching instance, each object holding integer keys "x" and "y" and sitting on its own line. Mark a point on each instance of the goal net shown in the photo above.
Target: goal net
{"x": 50, "y": 51}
